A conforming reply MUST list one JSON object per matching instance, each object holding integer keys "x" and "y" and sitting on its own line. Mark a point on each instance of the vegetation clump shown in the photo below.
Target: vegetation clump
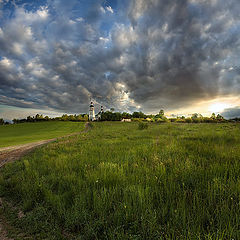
{"x": 142, "y": 125}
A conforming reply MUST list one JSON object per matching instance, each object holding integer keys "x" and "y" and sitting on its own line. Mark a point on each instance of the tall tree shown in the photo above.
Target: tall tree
{"x": 213, "y": 116}
{"x": 161, "y": 113}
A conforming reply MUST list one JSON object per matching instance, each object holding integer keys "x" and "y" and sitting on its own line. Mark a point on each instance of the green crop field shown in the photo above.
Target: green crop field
{"x": 30, "y": 132}
{"x": 170, "y": 181}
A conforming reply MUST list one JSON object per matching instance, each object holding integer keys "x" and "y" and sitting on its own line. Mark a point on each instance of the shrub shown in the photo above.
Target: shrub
{"x": 142, "y": 125}
{"x": 136, "y": 119}
{"x": 188, "y": 120}
{"x": 196, "y": 120}
{"x": 209, "y": 120}
{"x": 161, "y": 120}
{"x": 180, "y": 120}
{"x": 172, "y": 119}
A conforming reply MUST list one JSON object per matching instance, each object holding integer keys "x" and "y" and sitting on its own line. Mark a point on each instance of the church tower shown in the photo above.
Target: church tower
{"x": 91, "y": 112}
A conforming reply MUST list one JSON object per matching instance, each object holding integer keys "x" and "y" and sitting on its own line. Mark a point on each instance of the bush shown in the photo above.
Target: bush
{"x": 196, "y": 120}
{"x": 142, "y": 125}
{"x": 172, "y": 119}
{"x": 180, "y": 120}
{"x": 209, "y": 120}
{"x": 188, "y": 120}
{"x": 161, "y": 120}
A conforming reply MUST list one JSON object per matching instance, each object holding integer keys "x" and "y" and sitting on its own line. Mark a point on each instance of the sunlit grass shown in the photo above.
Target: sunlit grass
{"x": 28, "y": 132}
{"x": 170, "y": 181}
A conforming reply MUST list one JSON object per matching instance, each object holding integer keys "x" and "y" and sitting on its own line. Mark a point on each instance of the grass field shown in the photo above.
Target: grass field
{"x": 170, "y": 181}
{"x": 30, "y": 132}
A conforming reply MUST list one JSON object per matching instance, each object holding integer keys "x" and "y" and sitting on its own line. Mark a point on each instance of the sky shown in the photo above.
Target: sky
{"x": 131, "y": 55}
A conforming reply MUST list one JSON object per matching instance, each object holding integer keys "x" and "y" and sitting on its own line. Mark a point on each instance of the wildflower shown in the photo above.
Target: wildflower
{"x": 96, "y": 181}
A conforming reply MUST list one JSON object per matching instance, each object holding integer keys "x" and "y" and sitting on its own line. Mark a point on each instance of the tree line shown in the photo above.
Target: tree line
{"x": 64, "y": 117}
{"x": 135, "y": 116}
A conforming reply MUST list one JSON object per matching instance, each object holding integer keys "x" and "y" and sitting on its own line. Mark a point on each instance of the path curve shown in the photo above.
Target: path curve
{"x": 13, "y": 153}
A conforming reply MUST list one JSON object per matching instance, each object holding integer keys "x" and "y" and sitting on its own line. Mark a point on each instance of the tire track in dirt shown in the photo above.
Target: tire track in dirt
{"x": 13, "y": 153}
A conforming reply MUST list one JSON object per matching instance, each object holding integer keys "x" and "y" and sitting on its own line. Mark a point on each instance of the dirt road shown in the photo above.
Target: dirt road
{"x": 13, "y": 153}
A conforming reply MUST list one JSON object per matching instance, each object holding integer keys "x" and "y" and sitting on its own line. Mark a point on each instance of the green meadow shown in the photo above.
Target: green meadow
{"x": 169, "y": 181}
{"x": 15, "y": 134}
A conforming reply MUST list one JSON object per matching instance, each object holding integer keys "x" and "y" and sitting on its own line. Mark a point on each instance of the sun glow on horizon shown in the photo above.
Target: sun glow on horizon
{"x": 218, "y": 107}
{"x": 207, "y": 107}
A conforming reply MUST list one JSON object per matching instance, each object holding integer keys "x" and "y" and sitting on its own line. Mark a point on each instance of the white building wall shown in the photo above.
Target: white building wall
{"x": 91, "y": 114}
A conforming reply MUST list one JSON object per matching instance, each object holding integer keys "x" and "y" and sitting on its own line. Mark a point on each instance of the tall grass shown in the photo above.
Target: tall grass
{"x": 170, "y": 181}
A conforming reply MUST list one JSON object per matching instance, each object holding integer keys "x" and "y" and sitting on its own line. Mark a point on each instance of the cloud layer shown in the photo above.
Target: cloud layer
{"x": 138, "y": 54}
{"x": 231, "y": 112}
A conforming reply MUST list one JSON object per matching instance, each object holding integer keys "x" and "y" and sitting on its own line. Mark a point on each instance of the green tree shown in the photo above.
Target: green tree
{"x": 30, "y": 119}
{"x": 126, "y": 115}
{"x": 1, "y": 121}
{"x": 138, "y": 115}
{"x": 85, "y": 117}
{"x": 161, "y": 116}
{"x": 213, "y": 116}
{"x": 219, "y": 117}
{"x": 64, "y": 117}
{"x": 195, "y": 116}
{"x": 161, "y": 113}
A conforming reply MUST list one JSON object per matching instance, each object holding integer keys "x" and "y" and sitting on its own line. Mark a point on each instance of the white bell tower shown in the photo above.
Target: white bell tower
{"x": 91, "y": 112}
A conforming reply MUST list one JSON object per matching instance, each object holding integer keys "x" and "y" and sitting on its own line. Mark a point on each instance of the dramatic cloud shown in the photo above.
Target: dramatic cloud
{"x": 231, "y": 112}
{"x": 130, "y": 55}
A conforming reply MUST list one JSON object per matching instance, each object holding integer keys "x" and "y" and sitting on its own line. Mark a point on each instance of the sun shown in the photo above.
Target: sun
{"x": 218, "y": 107}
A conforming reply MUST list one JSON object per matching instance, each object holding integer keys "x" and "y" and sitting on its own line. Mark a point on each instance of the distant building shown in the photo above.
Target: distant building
{"x": 126, "y": 120}
{"x": 92, "y": 116}
{"x": 92, "y": 112}
{"x": 99, "y": 115}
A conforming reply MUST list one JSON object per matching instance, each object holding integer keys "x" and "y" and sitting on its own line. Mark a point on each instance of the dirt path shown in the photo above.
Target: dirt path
{"x": 9, "y": 154}
{"x": 13, "y": 153}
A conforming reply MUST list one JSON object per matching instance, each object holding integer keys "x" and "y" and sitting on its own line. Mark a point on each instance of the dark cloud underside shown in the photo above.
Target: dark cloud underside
{"x": 137, "y": 55}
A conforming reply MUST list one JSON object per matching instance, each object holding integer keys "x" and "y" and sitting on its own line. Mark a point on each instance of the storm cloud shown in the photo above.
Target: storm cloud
{"x": 132, "y": 55}
{"x": 231, "y": 112}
